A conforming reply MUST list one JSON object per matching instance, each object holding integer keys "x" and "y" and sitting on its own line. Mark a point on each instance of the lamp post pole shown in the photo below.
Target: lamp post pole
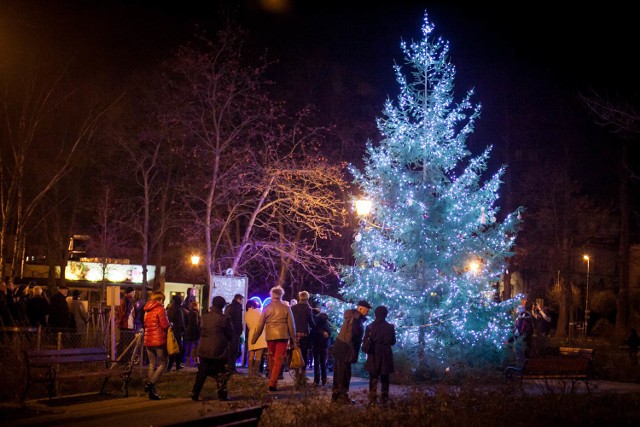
{"x": 586, "y": 302}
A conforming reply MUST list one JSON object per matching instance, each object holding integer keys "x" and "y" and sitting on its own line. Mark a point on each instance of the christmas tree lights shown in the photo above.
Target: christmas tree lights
{"x": 432, "y": 218}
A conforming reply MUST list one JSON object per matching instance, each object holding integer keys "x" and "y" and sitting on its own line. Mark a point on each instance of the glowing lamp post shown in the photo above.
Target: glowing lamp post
{"x": 474, "y": 267}
{"x": 195, "y": 260}
{"x": 363, "y": 207}
{"x": 586, "y": 301}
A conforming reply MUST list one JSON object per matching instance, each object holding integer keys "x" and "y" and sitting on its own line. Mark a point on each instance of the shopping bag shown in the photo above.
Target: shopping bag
{"x": 297, "y": 361}
{"x": 172, "y": 343}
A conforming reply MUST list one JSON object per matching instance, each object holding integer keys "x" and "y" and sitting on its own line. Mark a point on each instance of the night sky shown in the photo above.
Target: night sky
{"x": 528, "y": 59}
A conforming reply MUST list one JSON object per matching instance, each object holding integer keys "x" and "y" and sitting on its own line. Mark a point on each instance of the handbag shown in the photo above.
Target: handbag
{"x": 297, "y": 362}
{"x": 172, "y": 343}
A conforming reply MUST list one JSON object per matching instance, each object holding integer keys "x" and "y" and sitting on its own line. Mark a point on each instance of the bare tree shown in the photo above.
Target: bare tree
{"x": 37, "y": 151}
{"x": 255, "y": 182}
{"x": 559, "y": 221}
{"x": 144, "y": 151}
{"x": 623, "y": 119}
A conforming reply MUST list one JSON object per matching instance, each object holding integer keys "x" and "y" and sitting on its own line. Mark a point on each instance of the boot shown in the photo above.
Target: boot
{"x": 252, "y": 368}
{"x": 146, "y": 387}
{"x": 152, "y": 392}
{"x": 373, "y": 399}
{"x": 385, "y": 399}
{"x": 223, "y": 396}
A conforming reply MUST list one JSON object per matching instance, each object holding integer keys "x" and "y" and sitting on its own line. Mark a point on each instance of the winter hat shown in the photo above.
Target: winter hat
{"x": 363, "y": 303}
{"x": 128, "y": 290}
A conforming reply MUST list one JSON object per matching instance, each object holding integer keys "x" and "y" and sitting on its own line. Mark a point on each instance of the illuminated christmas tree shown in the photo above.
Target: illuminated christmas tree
{"x": 432, "y": 249}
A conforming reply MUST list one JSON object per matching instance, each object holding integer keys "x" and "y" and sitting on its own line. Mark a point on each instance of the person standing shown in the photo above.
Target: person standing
{"x": 12, "y": 301}
{"x": 304, "y": 323}
{"x": 156, "y": 324}
{"x": 320, "y": 344}
{"x": 379, "y": 336}
{"x": 346, "y": 349}
{"x": 37, "y": 308}
{"x": 633, "y": 341}
{"x": 192, "y": 333}
{"x": 217, "y": 334}
{"x": 79, "y": 312}
{"x": 125, "y": 320}
{"x": 277, "y": 323}
{"x": 256, "y": 351}
{"x": 21, "y": 296}
{"x": 234, "y": 311}
{"x": 5, "y": 313}
{"x": 523, "y": 334}
{"x": 59, "y": 309}
{"x": 176, "y": 317}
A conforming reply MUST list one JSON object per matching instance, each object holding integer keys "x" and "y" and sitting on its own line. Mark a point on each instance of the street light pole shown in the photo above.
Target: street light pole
{"x": 586, "y": 302}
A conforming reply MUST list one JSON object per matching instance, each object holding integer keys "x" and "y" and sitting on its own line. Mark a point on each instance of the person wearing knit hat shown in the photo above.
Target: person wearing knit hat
{"x": 346, "y": 349}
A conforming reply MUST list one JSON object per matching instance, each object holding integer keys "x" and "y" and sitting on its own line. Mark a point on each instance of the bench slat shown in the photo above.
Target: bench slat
{"x": 47, "y": 360}
{"x": 67, "y": 351}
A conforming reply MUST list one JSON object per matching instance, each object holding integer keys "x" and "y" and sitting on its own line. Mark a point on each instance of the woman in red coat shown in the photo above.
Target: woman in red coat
{"x": 156, "y": 324}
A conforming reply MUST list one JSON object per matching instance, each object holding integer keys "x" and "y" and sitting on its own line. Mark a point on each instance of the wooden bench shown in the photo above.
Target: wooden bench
{"x": 572, "y": 364}
{"x": 585, "y": 353}
{"x": 245, "y": 417}
{"x": 50, "y": 365}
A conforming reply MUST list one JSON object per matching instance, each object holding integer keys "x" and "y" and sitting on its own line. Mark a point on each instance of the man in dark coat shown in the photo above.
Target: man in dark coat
{"x": 346, "y": 349}
{"x": 304, "y": 323}
{"x": 37, "y": 308}
{"x": 379, "y": 336}
{"x": 320, "y": 343}
{"x": 175, "y": 312}
{"x": 59, "y": 309}
{"x": 217, "y": 333}
{"x": 234, "y": 311}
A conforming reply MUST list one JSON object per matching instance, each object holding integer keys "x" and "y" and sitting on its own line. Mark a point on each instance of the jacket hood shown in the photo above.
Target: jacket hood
{"x": 151, "y": 305}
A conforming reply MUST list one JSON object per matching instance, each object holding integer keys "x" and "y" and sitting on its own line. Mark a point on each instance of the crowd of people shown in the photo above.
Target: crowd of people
{"x": 212, "y": 341}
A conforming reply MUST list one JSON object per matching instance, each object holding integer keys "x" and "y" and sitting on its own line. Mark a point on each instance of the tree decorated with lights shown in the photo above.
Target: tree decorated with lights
{"x": 431, "y": 249}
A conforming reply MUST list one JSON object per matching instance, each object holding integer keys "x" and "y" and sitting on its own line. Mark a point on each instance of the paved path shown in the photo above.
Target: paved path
{"x": 140, "y": 411}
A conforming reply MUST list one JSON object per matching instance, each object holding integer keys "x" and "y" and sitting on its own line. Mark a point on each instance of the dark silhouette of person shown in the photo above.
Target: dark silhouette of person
{"x": 234, "y": 311}
{"x": 379, "y": 336}
{"x": 215, "y": 338}
{"x": 346, "y": 349}
{"x": 59, "y": 309}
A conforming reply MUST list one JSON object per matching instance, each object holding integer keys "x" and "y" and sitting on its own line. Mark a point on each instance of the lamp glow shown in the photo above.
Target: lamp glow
{"x": 363, "y": 207}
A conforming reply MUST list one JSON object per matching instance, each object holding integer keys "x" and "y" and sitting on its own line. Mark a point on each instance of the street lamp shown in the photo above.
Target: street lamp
{"x": 363, "y": 207}
{"x": 195, "y": 260}
{"x": 474, "y": 267}
{"x": 586, "y": 302}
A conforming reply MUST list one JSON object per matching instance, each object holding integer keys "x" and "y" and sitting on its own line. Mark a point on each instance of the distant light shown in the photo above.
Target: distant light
{"x": 363, "y": 207}
{"x": 474, "y": 266}
{"x": 195, "y": 259}
{"x": 585, "y": 257}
